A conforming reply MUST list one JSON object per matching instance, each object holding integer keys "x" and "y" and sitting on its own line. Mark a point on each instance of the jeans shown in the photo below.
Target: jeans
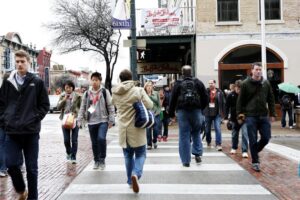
{"x": 98, "y": 138}
{"x": 217, "y": 124}
{"x": 2, "y": 151}
{"x": 189, "y": 122}
{"x": 235, "y": 136}
{"x": 283, "y": 121}
{"x": 71, "y": 149}
{"x": 261, "y": 124}
{"x": 156, "y": 131}
{"x": 134, "y": 165}
{"x": 29, "y": 145}
{"x": 165, "y": 126}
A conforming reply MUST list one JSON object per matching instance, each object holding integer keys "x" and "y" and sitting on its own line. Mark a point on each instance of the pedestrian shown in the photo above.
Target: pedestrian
{"x": 286, "y": 105}
{"x": 230, "y": 113}
{"x": 153, "y": 132}
{"x": 131, "y": 139}
{"x": 96, "y": 108}
{"x": 3, "y": 168}
{"x": 26, "y": 103}
{"x": 189, "y": 98}
{"x": 214, "y": 113}
{"x": 69, "y": 103}
{"x": 256, "y": 93}
{"x": 165, "y": 101}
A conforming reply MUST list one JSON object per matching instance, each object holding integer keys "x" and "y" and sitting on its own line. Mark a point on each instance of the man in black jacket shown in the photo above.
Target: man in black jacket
{"x": 189, "y": 98}
{"x": 26, "y": 103}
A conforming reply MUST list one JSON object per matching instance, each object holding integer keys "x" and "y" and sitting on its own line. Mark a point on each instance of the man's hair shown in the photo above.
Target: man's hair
{"x": 70, "y": 84}
{"x": 96, "y": 75}
{"x": 125, "y": 75}
{"x": 22, "y": 54}
{"x": 186, "y": 70}
{"x": 255, "y": 64}
{"x": 238, "y": 83}
{"x": 213, "y": 80}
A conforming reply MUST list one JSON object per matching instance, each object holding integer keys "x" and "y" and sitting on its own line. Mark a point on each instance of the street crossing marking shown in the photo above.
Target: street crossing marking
{"x": 151, "y": 155}
{"x": 173, "y": 167}
{"x": 212, "y": 189}
{"x": 287, "y": 152}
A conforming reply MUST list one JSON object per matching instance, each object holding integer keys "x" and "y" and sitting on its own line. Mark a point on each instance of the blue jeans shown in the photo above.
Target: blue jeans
{"x": 217, "y": 125}
{"x": 164, "y": 125}
{"x": 71, "y": 149}
{"x": 98, "y": 138}
{"x": 156, "y": 131}
{"x": 189, "y": 122}
{"x": 134, "y": 165}
{"x": 2, "y": 151}
{"x": 263, "y": 126}
{"x": 29, "y": 145}
{"x": 235, "y": 136}
{"x": 290, "y": 114}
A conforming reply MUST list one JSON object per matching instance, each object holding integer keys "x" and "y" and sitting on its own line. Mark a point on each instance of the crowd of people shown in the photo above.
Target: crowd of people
{"x": 249, "y": 107}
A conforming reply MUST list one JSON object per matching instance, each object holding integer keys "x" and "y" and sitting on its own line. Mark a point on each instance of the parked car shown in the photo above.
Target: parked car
{"x": 53, "y": 103}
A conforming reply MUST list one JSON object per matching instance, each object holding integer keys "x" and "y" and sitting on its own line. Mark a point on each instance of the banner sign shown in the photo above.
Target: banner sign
{"x": 161, "y": 17}
{"x": 159, "y": 68}
{"x": 121, "y": 15}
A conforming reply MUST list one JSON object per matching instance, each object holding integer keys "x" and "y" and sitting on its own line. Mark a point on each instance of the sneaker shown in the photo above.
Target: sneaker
{"x": 219, "y": 148}
{"x": 198, "y": 160}
{"x": 155, "y": 145}
{"x": 23, "y": 195}
{"x": 96, "y": 165}
{"x": 233, "y": 151}
{"x": 255, "y": 167}
{"x": 186, "y": 164}
{"x": 159, "y": 138}
{"x": 165, "y": 139}
{"x": 149, "y": 147}
{"x": 102, "y": 164}
{"x": 245, "y": 155}
{"x": 135, "y": 184}
{"x": 73, "y": 161}
{"x": 291, "y": 127}
{"x": 3, "y": 173}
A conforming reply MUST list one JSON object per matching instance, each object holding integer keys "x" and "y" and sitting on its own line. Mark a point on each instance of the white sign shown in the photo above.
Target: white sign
{"x": 121, "y": 15}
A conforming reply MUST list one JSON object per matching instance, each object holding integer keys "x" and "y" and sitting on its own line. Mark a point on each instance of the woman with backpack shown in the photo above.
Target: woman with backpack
{"x": 69, "y": 104}
{"x": 97, "y": 109}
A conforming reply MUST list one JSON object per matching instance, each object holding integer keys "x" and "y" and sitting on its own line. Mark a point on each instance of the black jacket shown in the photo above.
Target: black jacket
{"x": 230, "y": 106}
{"x": 23, "y": 109}
{"x": 175, "y": 104}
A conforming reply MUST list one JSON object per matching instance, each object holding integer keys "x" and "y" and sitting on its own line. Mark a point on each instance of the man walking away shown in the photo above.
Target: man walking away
{"x": 189, "y": 98}
{"x": 256, "y": 93}
{"x": 26, "y": 103}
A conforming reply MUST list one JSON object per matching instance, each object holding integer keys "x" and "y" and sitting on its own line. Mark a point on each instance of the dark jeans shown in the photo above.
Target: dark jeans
{"x": 71, "y": 145}
{"x": 155, "y": 129}
{"x": 283, "y": 121}
{"x": 165, "y": 125}
{"x": 29, "y": 145}
{"x": 235, "y": 136}
{"x": 263, "y": 126}
{"x": 2, "y": 151}
{"x": 98, "y": 138}
{"x": 217, "y": 124}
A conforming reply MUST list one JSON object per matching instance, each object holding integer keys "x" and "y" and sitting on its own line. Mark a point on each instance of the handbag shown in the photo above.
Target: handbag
{"x": 144, "y": 118}
{"x": 69, "y": 121}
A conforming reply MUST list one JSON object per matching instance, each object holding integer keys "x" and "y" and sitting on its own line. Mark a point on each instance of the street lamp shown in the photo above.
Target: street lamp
{"x": 263, "y": 39}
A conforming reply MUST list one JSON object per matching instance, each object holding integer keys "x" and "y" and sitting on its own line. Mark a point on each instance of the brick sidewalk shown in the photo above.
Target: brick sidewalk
{"x": 55, "y": 174}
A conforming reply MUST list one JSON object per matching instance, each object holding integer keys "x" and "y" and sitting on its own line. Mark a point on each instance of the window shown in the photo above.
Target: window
{"x": 228, "y": 10}
{"x": 272, "y": 9}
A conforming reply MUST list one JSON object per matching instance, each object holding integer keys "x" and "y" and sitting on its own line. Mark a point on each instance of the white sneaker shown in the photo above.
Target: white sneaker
{"x": 233, "y": 151}
{"x": 219, "y": 148}
{"x": 291, "y": 127}
{"x": 245, "y": 155}
{"x": 3, "y": 174}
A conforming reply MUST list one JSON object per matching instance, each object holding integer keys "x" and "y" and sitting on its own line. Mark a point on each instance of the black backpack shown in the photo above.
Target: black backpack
{"x": 286, "y": 101}
{"x": 189, "y": 97}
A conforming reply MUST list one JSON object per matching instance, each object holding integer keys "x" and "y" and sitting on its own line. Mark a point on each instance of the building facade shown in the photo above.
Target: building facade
{"x": 43, "y": 63}
{"x": 228, "y": 39}
{"x": 9, "y": 44}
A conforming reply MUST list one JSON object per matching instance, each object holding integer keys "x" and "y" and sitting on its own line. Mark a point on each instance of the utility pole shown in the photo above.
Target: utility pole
{"x": 263, "y": 39}
{"x": 133, "y": 49}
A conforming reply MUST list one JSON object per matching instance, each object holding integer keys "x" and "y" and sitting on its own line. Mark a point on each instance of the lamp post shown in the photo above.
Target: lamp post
{"x": 263, "y": 39}
{"x": 133, "y": 57}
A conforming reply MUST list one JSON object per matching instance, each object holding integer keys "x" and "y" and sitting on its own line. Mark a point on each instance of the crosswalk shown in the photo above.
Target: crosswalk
{"x": 218, "y": 177}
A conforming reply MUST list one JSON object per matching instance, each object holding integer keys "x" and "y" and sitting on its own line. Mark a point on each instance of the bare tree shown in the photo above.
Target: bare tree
{"x": 86, "y": 25}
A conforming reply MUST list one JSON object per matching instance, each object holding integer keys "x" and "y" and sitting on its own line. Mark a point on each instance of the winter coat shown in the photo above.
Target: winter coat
{"x": 23, "y": 108}
{"x": 75, "y": 105}
{"x": 123, "y": 96}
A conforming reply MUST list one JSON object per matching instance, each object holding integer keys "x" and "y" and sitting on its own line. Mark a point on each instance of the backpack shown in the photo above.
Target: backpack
{"x": 189, "y": 96}
{"x": 286, "y": 101}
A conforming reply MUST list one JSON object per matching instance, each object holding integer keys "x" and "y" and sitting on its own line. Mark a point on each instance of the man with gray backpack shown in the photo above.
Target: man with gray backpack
{"x": 189, "y": 98}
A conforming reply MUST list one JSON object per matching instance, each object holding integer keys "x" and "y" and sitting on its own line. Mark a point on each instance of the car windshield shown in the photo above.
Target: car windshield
{"x": 53, "y": 99}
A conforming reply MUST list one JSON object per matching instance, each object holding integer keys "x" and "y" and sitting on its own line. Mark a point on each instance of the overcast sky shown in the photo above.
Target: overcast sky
{"x": 27, "y": 17}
